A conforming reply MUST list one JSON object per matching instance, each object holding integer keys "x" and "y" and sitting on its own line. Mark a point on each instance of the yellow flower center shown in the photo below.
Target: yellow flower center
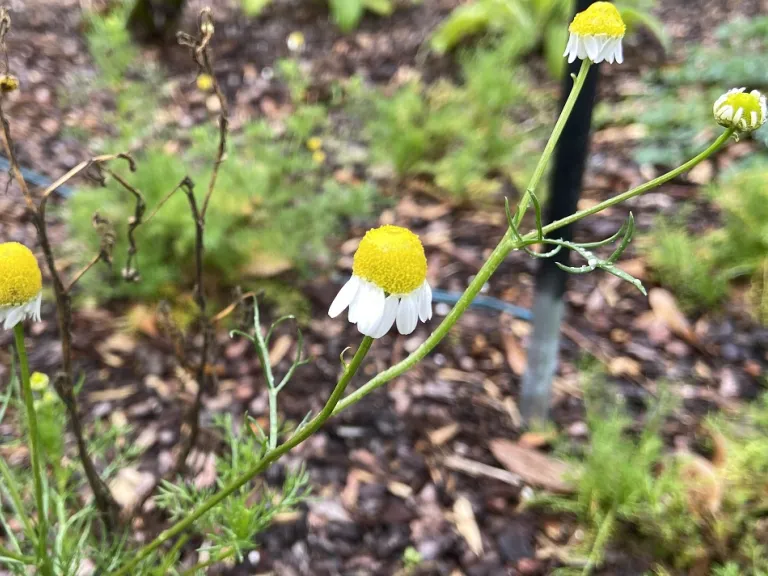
{"x": 20, "y": 277}
{"x": 748, "y": 101}
{"x": 601, "y": 18}
{"x": 392, "y": 258}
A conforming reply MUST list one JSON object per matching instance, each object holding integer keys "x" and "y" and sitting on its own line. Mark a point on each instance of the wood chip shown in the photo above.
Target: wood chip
{"x": 664, "y": 306}
{"x": 112, "y": 394}
{"x": 466, "y": 524}
{"x": 279, "y": 349}
{"x": 533, "y": 467}
{"x": 442, "y": 435}
{"x": 480, "y": 470}
{"x": 516, "y": 355}
{"x": 400, "y": 490}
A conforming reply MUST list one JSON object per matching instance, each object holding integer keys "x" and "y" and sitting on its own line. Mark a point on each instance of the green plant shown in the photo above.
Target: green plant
{"x": 227, "y": 516}
{"x": 686, "y": 265}
{"x": 469, "y": 137}
{"x": 109, "y": 41}
{"x": 532, "y": 23}
{"x": 276, "y": 211}
{"x": 673, "y": 134}
{"x": 346, "y": 14}
{"x": 232, "y": 527}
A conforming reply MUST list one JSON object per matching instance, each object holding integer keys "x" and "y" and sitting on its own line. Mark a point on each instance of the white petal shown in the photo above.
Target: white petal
{"x": 753, "y": 119}
{"x": 371, "y": 309}
{"x": 344, "y": 297}
{"x": 619, "y": 53}
{"x": 356, "y": 307}
{"x": 36, "y": 307}
{"x": 15, "y": 315}
{"x": 739, "y": 114}
{"x": 592, "y": 46}
{"x": 408, "y": 314}
{"x": 425, "y": 302}
{"x": 726, "y": 113}
{"x": 581, "y": 48}
{"x": 387, "y": 317}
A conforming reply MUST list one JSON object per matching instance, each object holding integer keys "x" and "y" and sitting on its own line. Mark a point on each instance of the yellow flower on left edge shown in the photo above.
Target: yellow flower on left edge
{"x": 21, "y": 285}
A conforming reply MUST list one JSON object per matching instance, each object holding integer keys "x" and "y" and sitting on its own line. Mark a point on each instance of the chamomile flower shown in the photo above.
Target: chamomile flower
{"x": 744, "y": 111}
{"x": 388, "y": 285}
{"x": 596, "y": 33}
{"x": 21, "y": 285}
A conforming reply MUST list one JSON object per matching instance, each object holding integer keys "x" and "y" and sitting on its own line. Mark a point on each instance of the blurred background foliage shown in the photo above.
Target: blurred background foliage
{"x": 469, "y": 137}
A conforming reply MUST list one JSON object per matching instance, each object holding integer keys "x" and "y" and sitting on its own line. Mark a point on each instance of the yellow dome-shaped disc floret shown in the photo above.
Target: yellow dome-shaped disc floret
{"x": 392, "y": 258}
{"x": 20, "y": 277}
{"x": 601, "y": 18}
{"x": 744, "y": 111}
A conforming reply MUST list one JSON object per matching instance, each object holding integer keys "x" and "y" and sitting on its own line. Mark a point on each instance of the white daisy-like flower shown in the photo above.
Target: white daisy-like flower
{"x": 388, "y": 285}
{"x": 744, "y": 111}
{"x": 596, "y": 33}
{"x": 21, "y": 285}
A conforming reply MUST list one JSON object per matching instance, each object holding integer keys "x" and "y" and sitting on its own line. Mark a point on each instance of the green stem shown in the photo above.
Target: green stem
{"x": 18, "y": 505}
{"x": 270, "y": 457}
{"x": 643, "y": 188}
{"x": 549, "y": 149}
{"x": 4, "y": 553}
{"x": 210, "y": 562}
{"x": 34, "y": 449}
{"x": 263, "y": 354}
{"x": 601, "y": 540}
{"x": 506, "y": 245}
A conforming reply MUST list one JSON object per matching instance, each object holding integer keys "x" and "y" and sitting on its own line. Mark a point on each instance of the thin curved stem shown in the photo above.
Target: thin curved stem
{"x": 34, "y": 450}
{"x": 549, "y": 149}
{"x": 270, "y": 457}
{"x": 506, "y": 245}
{"x": 11, "y": 486}
{"x": 642, "y": 189}
{"x": 4, "y": 553}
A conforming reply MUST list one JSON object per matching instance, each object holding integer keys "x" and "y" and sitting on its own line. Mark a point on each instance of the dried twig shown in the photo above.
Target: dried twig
{"x": 64, "y": 381}
{"x": 201, "y": 54}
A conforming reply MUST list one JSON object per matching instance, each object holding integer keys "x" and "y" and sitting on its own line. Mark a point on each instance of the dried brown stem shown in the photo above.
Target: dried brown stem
{"x": 105, "y": 503}
{"x": 201, "y": 54}
{"x": 82, "y": 272}
{"x": 130, "y": 273}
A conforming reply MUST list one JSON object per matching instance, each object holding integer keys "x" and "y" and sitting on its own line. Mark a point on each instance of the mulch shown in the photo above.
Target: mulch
{"x": 388, "y": 472}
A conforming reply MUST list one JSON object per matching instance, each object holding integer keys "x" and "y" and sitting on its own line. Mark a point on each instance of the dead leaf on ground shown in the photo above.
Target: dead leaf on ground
{"x": 533, "y": 467}
{"x": 129, "y": 485}
{"x": 624, "y": 366}
{"x": 408, "y": 208}
{"x": 264, "y": 265}
{"x": 467, "y": 525}
{"x": 664, "y": 306}
{"x": 112, "y": 394}
{"x": 280, "y": 348}
{"x": 515, "y": 353}
{"x": 442, "y": 435}
{"x": 536, "y": 439}
{"x": 702, "y": 483}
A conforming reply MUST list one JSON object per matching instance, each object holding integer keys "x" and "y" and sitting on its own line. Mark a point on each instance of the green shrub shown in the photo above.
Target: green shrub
{"x": 686, "y": 265}
{"x": 675, "y": 133}
{"x": 532, "y": 23}
{"x": 346, "y": 14}
{"x": 678, "y": 512}
{"x": 741, "y": 246}
{"x": 273, "y": 207}
{"x": 469, "y": 138}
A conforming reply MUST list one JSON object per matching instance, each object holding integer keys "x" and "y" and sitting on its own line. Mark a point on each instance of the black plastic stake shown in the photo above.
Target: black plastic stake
{"x": 565, "y": 188}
